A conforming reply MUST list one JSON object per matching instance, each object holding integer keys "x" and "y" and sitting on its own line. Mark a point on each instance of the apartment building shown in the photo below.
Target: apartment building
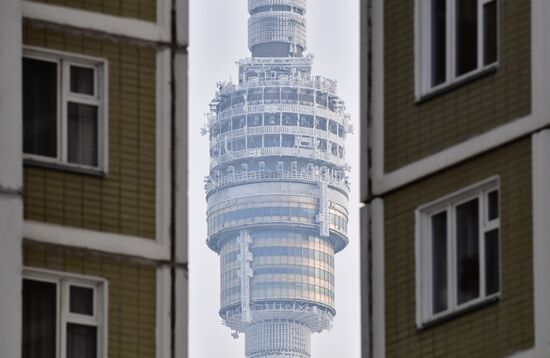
{"x": 93, "y": 178}
{"x": 455, "y": 126}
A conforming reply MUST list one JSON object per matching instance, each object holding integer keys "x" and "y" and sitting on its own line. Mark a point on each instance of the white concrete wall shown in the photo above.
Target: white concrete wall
{"x": 11, "y": 211}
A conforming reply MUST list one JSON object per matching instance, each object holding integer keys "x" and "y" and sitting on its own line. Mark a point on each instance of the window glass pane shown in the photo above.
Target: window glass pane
{"x": 492, "y": 259}
{"x": 467, "y": 243}
{"x": 239, "y": 122}
{"x": 81, "y": 341}
{"x": 40, "y": 107}
{"x": 288, "y": 140}
{"x": 490, "y": 32}
{"x": 439, "y": 41}
{"x": 81, "y": 300}
{"x": 272, "y": 119}
{"x": 39, "y": 319}
{"x": 306, "y": 121}
{"x": 466, "y": 36}
{"x": 321, "y": 123}
{"x": 253, "y": 120}
{"x": 272, "y": 140}
{"x": 82, "y": 134}
{"x": 493, "y": 205}
{"x": 254, "y": 141}
{"x": 290, "y": 119}
{"x": 439, "y": 262}
{"x": 82, "y": 80}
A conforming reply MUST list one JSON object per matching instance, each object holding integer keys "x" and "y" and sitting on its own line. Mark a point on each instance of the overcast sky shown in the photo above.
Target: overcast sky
{"x": 218, "y": 39}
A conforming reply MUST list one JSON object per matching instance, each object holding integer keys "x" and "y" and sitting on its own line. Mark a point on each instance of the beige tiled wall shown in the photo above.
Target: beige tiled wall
{"x": 132, "y": 293}
{"x": 492, "y": 332}
{"x": 414, "y": 131}
{"x": 124, "y": 201}
{"x": 138, "y": 9}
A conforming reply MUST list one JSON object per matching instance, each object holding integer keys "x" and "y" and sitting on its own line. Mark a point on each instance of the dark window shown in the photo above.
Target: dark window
{"x": 493, "y": 206}
{"x": 490, "y": 33}
{"x": 288, "y": 140}
{"x": 492, "y": 262}
{"x": 39, "y": 319}
{"x": 306, "y": 121}
{"x": 272, "y": 119}
{"x": 439, "y": 262}
{"x": 82, "y": 134}
{"x": 254, "y": 141}
{"x": 466, "y": 36}
{"x": 322, "y": 145}
{"x": 467, "y": 260}
{"x": 306, "y": 97}
{"x": 322, "y": 99}
{"x": 238, "y": 98}
{"x": 238, "y": 122}
{"x": 341, "y": 131}
{"x": 81, "y": 341}
{"x": 321, "y": 123}
{"x": 439, "y": 41}
{"x": 226, "y": 126}
{"x": 254, "y": 120}
{"x": 272, "y": 140}
{"x": 333, "y": 127}
{"x": 238, "y": 144}
{"x": 290, "y": 119}
{"x": 81, "y": 300}
{"x": 255, "y": 96}
{"x": 289, "y": 95}
{"x": 272, "y": 95}
{"x": 82, "y": 80}
{"x": 40, "y": 101}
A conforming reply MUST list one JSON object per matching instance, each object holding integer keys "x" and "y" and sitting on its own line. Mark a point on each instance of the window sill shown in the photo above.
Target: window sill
{"x": 459, "y": 313}
{"x": 485, "y": 72}
{"x": 65, "y": 168}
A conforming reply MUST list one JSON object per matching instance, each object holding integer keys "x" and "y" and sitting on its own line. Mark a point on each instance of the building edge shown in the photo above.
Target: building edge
{"x": 11, "y": 204}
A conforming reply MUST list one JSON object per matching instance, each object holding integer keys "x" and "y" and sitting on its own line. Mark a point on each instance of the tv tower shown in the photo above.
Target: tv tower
{"x": 278, "y": 189}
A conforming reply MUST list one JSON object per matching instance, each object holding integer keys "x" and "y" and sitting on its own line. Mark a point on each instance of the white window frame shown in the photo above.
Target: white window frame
{"x": 423, "y": 47}
{"x": 64, "y": 61}
{"x": 423, "y": 245}
{"x": 63, "y": 282}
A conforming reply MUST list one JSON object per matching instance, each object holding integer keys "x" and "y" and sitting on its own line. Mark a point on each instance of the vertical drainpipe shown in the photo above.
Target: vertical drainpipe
{"x": 173, "y": 177}
{"x": 366, "y": 178}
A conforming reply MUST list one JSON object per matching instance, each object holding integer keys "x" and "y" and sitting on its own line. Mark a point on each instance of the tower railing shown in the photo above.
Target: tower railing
{"x": 270, "y": 175}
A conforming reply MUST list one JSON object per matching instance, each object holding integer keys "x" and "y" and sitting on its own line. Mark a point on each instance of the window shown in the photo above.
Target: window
{"x": 456, "y": 39}
{"x": 64, "y": 316}
{"x": 64, "y": 109}
{"x": 458, "y": 262}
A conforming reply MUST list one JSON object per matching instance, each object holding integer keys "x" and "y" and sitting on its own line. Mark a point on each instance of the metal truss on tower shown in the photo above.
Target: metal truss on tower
{"x": 278, "y": 188}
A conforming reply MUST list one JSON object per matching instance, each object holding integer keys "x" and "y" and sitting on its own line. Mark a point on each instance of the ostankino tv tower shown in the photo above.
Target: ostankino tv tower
{"x": 278, "y": 191}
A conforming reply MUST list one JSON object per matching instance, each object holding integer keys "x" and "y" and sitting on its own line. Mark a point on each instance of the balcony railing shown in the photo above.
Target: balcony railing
{"x": 340, "y": 182}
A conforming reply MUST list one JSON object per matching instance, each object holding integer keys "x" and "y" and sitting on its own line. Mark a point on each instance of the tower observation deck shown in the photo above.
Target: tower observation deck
{"x": 278, "y": 189}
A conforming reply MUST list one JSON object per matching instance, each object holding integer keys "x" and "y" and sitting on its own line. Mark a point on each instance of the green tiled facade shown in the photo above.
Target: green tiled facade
{"x": 137, "y": 9}
{"x": 131, "y": 287}
{"x": 495, "y": 331}
{"x": 413, "y": 131}
{"x": 124, "y": 201}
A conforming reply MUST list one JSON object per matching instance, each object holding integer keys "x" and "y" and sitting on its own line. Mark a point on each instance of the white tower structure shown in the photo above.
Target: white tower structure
{"x": 277, "y": 191}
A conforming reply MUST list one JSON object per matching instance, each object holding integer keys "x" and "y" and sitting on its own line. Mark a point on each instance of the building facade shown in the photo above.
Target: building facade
{"x": 455, "y": 250}
{"x": 277, "y": 191}
{"x": 93, "y": 202}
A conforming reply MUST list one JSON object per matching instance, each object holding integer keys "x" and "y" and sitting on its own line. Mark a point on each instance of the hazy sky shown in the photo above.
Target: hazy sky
{"x": 218, "y": 39}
